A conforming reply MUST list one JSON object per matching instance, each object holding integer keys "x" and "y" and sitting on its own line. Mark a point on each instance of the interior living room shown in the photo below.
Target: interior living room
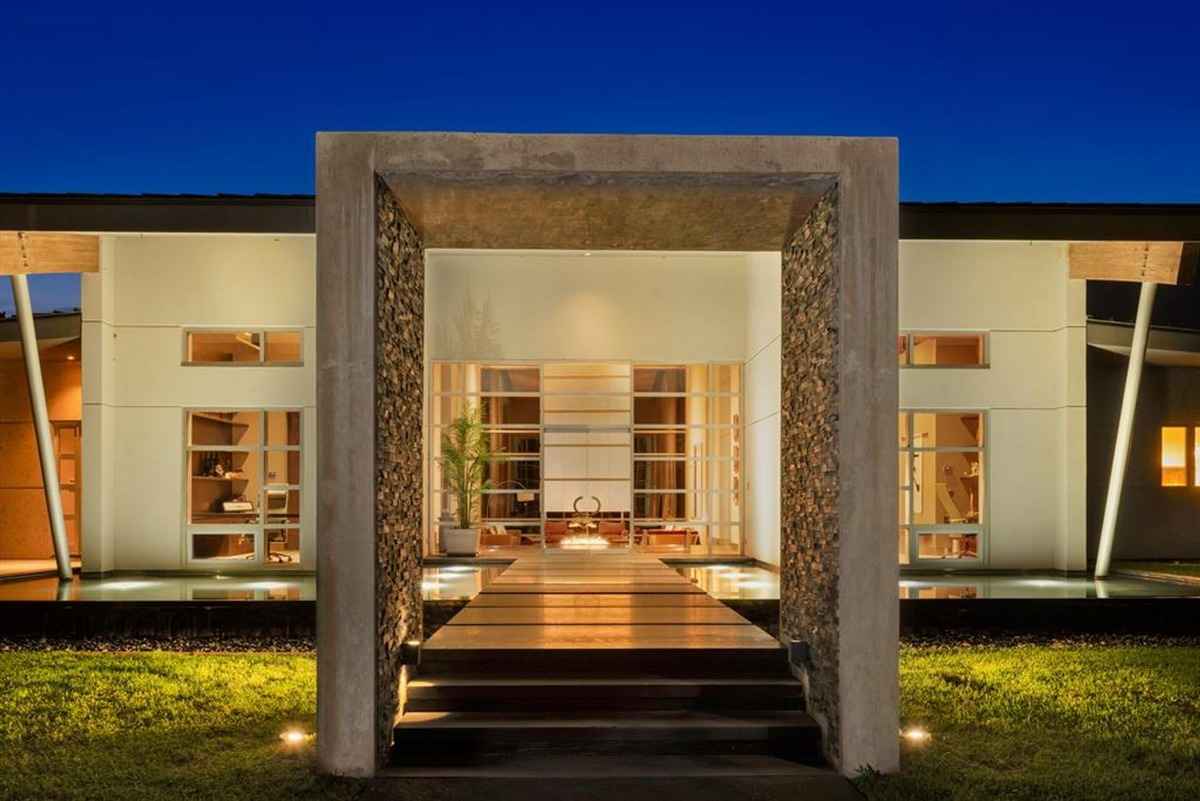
{"x": 640, "y": 411}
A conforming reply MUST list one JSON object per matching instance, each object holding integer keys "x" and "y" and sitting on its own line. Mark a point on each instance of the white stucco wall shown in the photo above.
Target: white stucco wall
{"x": 135, "y": 390}
{"x": 762, "y": 393}
{"x": 1034, "y": 391}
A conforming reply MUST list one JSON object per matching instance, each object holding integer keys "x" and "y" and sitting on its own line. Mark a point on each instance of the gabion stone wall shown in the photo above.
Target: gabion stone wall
{"x": 809, "y": 491}
{"x": 399, "y": 383}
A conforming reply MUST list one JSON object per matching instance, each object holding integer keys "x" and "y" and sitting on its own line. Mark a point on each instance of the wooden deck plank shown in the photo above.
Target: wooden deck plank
{"x": 593, "y": 600}
{"x": 590, "y": 616}
{"x": 584, "y": 588}
{"x": 478, "y": 638}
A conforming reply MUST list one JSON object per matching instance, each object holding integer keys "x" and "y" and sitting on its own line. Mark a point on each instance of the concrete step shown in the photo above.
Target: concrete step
{"x": 766, "y": 662}
{"x": 481, "y": 738}
{"x": 517, "y": 694}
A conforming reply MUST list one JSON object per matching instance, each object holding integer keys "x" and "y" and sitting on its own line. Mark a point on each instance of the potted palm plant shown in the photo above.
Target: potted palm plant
{"x": 465, "y": 458}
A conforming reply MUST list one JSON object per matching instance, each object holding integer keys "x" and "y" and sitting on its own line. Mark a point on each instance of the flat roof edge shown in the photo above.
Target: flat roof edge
{"x": 295, "y": 214}
{"x": 267, "y": 214}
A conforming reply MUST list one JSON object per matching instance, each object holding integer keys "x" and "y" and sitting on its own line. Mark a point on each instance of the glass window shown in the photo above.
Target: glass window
{"x": 247, "y": 347}
{"x": 1196, "y": 456}
{"x": 237, "y": 547}
{"x": 572, "y": 425}
{"x": 283, "y": 546}
{"x": 1174, "y": 456}
{"x": 902, "y": 349}
{"x": 947, "y": 350}
{"x": 510, "y": 379}
{"x": 940, "y": 475}
{"x": 667, "y": 443}
{"x": 243, "y": 469}
{"x": 220, "y": 347}
{"x": 657, "y": 411}
{"x": 726, "y": 378}
{"x": 948, "y": 545}
{"x": 504, "y": 411}
{"x": 511, "y": 505}
{"x": 224, "y": 487}
{"x": 284, "y": 346}
{"x": 947, "y": 430}
{"x": 283, "y": 429}
{"x": 661, "y": 474}
{"x": 515, "y": 474}
{"x": 661, "y": 379}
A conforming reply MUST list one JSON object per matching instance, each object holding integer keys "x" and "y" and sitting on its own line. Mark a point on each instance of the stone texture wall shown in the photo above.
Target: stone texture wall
{"x": 399, "y": 384}
{"x": 809, "y": 489}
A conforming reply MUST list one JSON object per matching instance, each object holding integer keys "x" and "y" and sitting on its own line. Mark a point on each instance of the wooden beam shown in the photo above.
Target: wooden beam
{"x": 25, "y": 252}
{"x": 1156, "y": 262}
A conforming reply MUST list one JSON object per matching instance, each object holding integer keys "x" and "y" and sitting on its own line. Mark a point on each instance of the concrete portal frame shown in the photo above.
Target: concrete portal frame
{"x": 829, "y": 205}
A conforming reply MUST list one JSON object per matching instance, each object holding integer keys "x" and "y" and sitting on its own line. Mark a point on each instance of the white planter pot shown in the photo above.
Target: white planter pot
{"x": 460, "y": 541}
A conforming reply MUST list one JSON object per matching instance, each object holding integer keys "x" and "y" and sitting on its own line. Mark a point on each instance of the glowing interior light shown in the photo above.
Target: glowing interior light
{"x": 1174, "y": 456}
{"x": 583, "y": 541}
{"x": 916, "y": 735}
{"x": 428, "y": 585}
{"x": 129, "y": 585}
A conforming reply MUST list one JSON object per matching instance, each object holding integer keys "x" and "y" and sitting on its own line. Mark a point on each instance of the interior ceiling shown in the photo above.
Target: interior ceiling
{"x": 606, "y": 211}
{"x": 11, "y": 350}
{"x": 1159, "y": 357}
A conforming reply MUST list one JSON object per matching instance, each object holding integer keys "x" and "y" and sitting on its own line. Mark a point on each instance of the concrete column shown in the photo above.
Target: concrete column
{"x": 1133, "y": 378}
{"x": 98, "y": 469}
{"x": 41, "y": 426}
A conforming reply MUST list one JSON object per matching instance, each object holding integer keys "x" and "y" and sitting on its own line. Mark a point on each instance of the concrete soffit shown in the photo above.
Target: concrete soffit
{"x": 511, "y": 209}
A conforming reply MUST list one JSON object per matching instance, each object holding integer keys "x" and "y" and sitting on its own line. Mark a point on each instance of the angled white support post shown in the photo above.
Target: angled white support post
{"x": 41, "y": 425}
{"x": 1133, "y": 378}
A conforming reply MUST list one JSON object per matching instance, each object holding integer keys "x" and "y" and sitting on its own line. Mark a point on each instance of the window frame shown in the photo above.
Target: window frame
{"x": 915, "y": 530}
{"x": 264, "y": 332}
{"x": 440, "y": 390}
{"x": 908, "y": 335}
{"x": 259, "y": 530}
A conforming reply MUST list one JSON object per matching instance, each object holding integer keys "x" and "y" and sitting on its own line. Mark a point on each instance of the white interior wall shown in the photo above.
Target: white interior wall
{"x": 1034, "y": 390}
{"x": 764, "y": 326}
{"x": 670, "y": 307}
{"x": 151, "y": 288}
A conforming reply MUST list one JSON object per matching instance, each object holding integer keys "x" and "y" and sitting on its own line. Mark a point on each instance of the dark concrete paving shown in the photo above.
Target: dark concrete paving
{"x": 660, "y": 778}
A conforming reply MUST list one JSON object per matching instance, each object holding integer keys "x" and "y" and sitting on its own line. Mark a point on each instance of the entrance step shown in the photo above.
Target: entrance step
{"x": 523, "y": 694}
{"x": 628, "y": 777}
{"x": 762, "y": 662}
{"x": 480, "y": 738}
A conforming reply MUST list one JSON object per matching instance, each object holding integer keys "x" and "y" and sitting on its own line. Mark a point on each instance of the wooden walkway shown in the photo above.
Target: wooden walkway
{"x": 595, "y": 600}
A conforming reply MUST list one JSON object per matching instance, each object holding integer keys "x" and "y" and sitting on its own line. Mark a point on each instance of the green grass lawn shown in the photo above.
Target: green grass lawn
{"x": 157, "y": 725}
{"x": 1177, "y": 568}
{"x": 1023, "y": 722}
{"x": 1045, "y": 723}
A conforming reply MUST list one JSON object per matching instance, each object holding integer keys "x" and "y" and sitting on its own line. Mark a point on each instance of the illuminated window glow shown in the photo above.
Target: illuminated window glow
{"x": 1174, "y": 456}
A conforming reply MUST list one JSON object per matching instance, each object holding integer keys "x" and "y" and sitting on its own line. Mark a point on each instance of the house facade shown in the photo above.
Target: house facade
{"x": 696, "y": 348}
{"x": 202, "y": 318}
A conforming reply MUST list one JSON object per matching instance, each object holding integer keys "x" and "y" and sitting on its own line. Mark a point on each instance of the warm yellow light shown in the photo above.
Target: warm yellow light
{"x": 916, "y": 735}
{"x": 1174, "y": 456}
{"x": 294, "y": 737}
{"x": 1196, "y": 456}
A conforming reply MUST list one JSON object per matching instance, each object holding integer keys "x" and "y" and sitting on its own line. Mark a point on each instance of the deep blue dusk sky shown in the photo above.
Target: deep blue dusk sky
{"x": 990, "y": 101}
